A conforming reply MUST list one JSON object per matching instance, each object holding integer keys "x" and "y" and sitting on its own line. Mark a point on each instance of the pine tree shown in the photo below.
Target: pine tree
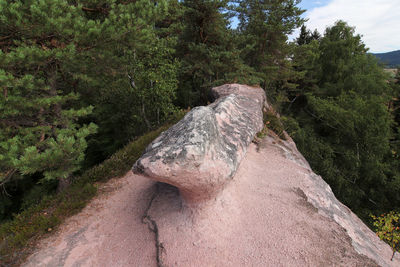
{"x": 265, "y": 26}
{"x": 38, "y": 117}
{"x": 132, "y": 45}
{"x": 316, "y": 35}
{"x": 65, "y": 64}
{"x": 346, "y": 127}
{"x": 304, "y": 60}
{"x": 341, "y": 49}
{"x": 207, "y": 50}
{"x": 304, "y": 37}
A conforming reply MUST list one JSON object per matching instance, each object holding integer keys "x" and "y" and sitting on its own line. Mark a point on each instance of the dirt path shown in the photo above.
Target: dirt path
{"x": 263, "y": 218}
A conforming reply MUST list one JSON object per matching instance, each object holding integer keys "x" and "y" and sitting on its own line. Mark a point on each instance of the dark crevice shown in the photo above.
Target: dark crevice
{"x": 152, "y": 225}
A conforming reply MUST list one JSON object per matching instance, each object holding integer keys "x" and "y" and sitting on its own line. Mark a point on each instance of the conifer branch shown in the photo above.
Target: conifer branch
{"x": 98, "y": 9}
{"x": 8, "y": 177}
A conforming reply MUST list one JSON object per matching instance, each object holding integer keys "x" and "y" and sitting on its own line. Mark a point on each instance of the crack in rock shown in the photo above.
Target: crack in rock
{"x": 153, "y": 227}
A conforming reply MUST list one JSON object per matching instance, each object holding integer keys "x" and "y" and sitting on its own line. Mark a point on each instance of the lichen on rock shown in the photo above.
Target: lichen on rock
{"x": 202, "y": 152}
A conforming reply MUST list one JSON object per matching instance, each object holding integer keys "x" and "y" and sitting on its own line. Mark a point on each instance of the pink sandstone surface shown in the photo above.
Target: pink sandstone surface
{"x": 274, "y": 211}
{"x": 263, "y": 218}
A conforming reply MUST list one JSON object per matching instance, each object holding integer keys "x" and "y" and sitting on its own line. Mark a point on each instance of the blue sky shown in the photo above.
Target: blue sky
{"x": 309, "y": 4}
{"x": 378, "y": 21}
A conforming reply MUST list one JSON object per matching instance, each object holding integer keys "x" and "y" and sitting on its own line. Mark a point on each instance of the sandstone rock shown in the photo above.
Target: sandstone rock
{"x": 240, "y": 89}
{"x": 201, "y": 153}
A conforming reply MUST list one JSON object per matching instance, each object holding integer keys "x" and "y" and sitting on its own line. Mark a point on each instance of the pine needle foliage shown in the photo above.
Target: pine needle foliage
{"x": 264, "y": 27}
{"x": 66, "y": 100}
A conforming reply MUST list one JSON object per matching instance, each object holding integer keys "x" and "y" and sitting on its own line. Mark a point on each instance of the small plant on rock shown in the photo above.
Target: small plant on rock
{"x": 272, "y": 122}
{"x": 264, "y": 132}
{"x": 388, "y": 229}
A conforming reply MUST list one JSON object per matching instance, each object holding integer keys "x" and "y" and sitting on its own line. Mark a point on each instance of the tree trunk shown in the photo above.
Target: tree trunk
{"x": 144, "y": 116}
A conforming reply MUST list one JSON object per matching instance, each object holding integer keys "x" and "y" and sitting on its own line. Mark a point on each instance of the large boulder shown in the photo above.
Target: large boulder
{"x": 239, "y": 89}
{"x": 201, "y": 153}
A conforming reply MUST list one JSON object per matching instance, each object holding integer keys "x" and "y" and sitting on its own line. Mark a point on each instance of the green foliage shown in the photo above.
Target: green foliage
{"x": 121, "y": 161}
{"x": 306, "y": 68}
{"x": 39, "y": 125}
{"x": 33, "y": 222}
{"x": 387, "y": 227}
{"x": 263, "y": 133}
{"x": 273, "y": 122}
{"x": 64, "y": 69}
{"x": 208, "y": 52}
{"x": 264, "y": 27}
{"x": 306, "y": 37}
{"x": 156, "y": 81}
{"x": 343, "y": 124}
{"x": 341, "y": 53}
{"x": 124, "y": 111}
{"x": 357, "y": 131}
{"x": 128, "y": 43}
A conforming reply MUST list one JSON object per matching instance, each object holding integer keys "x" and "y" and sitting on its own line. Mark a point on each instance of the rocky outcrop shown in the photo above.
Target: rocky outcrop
{"x": 273, "y": 209}
{"x": 201, "y": 153}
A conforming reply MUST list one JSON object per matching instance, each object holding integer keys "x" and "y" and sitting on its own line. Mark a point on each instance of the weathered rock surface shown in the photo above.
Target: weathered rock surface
{"x": 201, "y": 153}
{"x": 241, "y": 89}
{"x": 319, "y": 194}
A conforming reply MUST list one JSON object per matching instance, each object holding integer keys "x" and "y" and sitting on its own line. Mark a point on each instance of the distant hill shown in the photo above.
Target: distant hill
{"x": 391, "y": 59}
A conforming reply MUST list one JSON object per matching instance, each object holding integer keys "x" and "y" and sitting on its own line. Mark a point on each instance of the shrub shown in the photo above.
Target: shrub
{"x": 388, "y": 229}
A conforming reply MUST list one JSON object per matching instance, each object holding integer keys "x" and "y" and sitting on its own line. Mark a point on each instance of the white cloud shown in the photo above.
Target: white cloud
{"x": 378, "y": 21}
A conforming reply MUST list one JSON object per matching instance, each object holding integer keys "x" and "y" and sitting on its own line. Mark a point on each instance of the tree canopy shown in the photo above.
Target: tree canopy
{"x": 343, "y": 124}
